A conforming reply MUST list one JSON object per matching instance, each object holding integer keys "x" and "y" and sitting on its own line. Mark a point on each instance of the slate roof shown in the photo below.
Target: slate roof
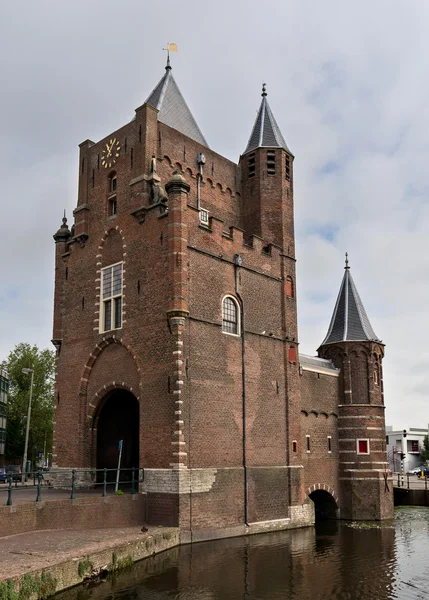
{"x": 173, "y": 110}
{"x": 314, "y": 363}
{"x": 349, "y": 321}
{"x": 266, "y": 133}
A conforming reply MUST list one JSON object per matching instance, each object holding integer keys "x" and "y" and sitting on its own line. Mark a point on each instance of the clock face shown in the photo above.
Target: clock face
{"x": 111, "y": 153}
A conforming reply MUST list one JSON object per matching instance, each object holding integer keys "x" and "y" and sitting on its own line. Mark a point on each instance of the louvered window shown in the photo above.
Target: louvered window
{"x": 288, "y": 168}
{"x": 271, "y": 162}
{"x": 251, "y": 163}
{"x": 112, "y": 297}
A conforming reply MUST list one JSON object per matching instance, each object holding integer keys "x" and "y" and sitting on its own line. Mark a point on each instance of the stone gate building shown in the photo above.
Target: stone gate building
{"x": 175, "y": 324}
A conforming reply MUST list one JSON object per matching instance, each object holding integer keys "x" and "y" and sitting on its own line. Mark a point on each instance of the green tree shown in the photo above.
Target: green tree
{"x": 425, "y": 450}
{"x": 42, "y": 406}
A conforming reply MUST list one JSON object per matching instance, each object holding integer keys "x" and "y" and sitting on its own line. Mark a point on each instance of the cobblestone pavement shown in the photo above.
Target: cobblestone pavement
{"x": 39, "y": 549}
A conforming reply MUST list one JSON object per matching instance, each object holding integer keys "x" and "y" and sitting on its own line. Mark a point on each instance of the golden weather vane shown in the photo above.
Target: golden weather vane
{"x": 170, "y": 48}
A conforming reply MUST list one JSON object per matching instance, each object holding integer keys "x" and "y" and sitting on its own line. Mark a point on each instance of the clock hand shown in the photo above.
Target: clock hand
{"x": 111, "y": 146}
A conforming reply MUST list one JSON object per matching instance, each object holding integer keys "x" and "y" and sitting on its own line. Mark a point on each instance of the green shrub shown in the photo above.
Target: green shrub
{"x": 85, "y": 567}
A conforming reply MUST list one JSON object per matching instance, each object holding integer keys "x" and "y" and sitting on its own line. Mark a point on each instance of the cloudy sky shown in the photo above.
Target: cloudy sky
{"x": 348, "y": 83}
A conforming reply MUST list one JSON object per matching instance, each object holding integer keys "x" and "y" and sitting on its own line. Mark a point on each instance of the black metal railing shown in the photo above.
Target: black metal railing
{"x": 404, "y": 481}
{"x": 74, "y": 480}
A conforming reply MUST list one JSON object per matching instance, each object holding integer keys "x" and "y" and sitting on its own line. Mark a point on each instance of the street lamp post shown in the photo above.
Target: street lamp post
{"x": 27, "y": 429}
{"x": 403, "y": 453}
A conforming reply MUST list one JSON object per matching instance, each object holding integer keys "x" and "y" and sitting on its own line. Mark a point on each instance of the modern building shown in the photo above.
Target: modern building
{"x": 406, "y": 441}
{"x": 4, "y": 388}
{"x": 175, "y": 323}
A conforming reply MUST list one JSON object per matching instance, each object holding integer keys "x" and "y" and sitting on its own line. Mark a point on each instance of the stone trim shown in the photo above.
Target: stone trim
{"x": 322, "y": 486}
{"x": 178, "y": 481}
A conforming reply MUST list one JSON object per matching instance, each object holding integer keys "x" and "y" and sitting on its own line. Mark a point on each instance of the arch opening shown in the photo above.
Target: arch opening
{"x": 324, "y": 505}
{"x": 118, "y": 419}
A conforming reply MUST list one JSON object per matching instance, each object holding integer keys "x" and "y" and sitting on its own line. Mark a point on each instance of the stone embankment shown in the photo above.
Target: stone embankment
{"x": 39, "y": 563}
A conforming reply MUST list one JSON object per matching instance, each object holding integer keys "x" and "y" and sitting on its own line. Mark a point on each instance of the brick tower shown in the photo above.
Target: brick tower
{"x": 175, "y": 322}
{"x": 364, "y": 486}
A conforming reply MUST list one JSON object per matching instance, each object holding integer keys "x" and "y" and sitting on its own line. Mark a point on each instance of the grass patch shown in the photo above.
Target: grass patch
{"x": 30, "y": 586}
{"x": 85, "y": 567}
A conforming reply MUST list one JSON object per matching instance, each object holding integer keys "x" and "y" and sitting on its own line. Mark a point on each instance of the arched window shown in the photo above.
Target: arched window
{"x": 230, "y": 314}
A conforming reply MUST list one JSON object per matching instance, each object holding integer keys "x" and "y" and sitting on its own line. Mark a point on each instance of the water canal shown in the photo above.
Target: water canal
{"x": 335, "y": 560}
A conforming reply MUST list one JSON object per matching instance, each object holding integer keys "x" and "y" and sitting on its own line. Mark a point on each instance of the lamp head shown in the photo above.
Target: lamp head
{"x": 27, "y": 371}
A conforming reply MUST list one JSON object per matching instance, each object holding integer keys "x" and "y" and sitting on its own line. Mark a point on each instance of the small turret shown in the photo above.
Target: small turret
{"x": 352, "y": 345}
{"x": 61, "y": 238}
{"x": 266, "y": 133}
{"x": 267, "y": 176}
{"x": 63, "y": 233}
{"x": 349, "y": 321}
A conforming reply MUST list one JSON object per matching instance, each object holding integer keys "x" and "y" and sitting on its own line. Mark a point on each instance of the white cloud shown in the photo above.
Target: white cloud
{"x": 347, "y": 84}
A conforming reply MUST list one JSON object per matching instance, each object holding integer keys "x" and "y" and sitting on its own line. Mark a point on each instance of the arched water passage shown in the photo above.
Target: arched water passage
{"x": 324, "y": 505}
{"x": 118, "y": 420}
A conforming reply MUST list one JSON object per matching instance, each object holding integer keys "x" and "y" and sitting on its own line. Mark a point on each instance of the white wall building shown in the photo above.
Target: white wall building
{"x": 411, "y": 445}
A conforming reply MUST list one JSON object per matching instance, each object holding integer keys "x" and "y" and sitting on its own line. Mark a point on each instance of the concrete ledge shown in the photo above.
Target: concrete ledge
{"x": 203, "y": 535}
{"x": 106, "y": 558}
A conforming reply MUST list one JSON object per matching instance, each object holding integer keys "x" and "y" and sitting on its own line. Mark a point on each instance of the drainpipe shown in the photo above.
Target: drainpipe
{"x": 238, "y": 261}
{"x": 201, "y": 159}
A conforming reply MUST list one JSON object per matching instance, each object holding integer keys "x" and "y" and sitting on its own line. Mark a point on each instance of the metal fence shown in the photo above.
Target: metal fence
{"x": 76, "y": 481}
{"x": 416, "y": 481}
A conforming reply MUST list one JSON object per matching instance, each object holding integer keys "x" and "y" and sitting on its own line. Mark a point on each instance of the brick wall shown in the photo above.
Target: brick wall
{"x": 170, "y": 352}
{"x": 319, "y": 421}
{"x": 82, "y": 513}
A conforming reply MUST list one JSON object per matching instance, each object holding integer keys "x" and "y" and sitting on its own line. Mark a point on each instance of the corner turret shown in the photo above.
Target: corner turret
{"x": 352, "y": 345}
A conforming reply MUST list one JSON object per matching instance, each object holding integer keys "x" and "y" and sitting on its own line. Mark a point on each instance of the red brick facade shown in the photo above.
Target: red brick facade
{"x": 218, "y": 412}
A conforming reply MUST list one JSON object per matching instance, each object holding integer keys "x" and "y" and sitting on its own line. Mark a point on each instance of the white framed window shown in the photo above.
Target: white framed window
{"x": 362, "y": 446}
{"x": 111, "y": 288}
{"x": 329, "y": 444}
{"x": 230, "y": 316}
{"x": 307, "y": 442}
{"x": 204, "y": 217}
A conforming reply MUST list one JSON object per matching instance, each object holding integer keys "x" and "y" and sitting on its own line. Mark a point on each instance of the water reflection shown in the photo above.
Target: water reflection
{"x": 334, "y": 561}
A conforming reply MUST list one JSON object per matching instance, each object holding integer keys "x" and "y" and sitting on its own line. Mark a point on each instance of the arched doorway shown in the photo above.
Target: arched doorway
{"x": 118, "y": 419}
{"x": 324, "y": 505}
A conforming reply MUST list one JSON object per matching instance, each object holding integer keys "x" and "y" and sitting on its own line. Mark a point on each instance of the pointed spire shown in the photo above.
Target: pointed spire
{"x": 349, "y": 321}
{"x": 265, "y": 133}
{"x": 173, "y": 110}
